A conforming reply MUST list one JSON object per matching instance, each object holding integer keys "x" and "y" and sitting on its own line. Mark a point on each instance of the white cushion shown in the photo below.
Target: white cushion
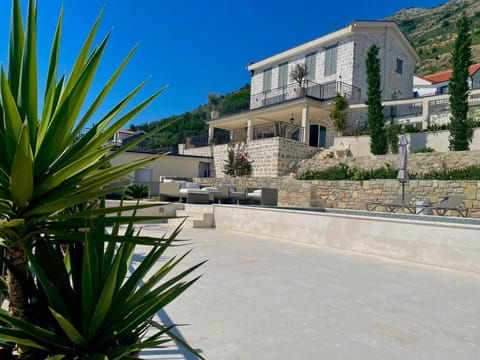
{"x": 254, "y": 195}
{"x": 191, "y": 185}
{"x": 183, "y": 184}
{"x": 259, "y": 191}
{"x": 210, "y": 188}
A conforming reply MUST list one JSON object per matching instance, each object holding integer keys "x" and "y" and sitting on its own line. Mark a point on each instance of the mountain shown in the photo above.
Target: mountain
{"x": 432, "y": 32}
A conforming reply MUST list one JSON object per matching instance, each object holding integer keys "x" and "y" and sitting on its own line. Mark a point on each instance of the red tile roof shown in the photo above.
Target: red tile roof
{"x": 446, "y": 75}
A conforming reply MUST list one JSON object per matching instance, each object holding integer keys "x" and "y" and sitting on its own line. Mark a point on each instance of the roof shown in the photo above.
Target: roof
{"x": 445, "y": 76}
{"x": 355, "y": 26}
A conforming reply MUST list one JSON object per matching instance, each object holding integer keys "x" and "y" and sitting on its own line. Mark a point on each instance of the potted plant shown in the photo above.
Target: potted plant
{"x": 213, "y": 103}
{"x": 298, "y": 73}
{"x": 339, "y": 114}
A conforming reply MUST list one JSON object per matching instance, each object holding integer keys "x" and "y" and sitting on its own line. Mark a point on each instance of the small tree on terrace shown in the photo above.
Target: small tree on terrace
{"x": 376, "y": 123}
{"x": 339, "y": 113}
{"x": 460, "y": 130}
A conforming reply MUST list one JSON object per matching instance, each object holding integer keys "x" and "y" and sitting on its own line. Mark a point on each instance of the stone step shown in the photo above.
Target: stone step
{"x": 197, "y": 216}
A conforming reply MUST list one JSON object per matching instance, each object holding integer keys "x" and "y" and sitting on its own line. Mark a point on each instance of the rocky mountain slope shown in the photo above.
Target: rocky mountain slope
{"x": 432, "y": 32}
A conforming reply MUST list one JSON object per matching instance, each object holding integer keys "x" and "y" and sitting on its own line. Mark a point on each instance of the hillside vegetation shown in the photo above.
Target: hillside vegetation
{"x": 177, "y": 127}
{"x": 432, "y": 32}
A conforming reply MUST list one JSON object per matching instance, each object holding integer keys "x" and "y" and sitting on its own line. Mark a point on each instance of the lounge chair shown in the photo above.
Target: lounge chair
{"x": 394, "y": 205}
{"x": 452, "y": 203}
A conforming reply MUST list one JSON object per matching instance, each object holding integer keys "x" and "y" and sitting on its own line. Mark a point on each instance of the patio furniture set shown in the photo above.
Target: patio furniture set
{"x": 193, "y": 193}
{"x": 451, "y": 203}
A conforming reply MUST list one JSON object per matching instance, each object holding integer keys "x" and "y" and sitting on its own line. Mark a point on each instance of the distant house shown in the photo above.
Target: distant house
{"x": 437, "y": 83}
{"x": 279, "y": 106}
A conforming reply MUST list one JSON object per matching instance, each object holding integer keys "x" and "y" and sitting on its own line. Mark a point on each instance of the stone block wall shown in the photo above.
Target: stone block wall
{"x": 354, "y": 194}
{"x": 270, "y": 157}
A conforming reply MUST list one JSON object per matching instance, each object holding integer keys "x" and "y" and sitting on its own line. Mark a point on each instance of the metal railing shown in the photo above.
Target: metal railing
{"x": 325, "y": 91}
{"x": 277, "y": 129}
{"x": 415, "y": 109}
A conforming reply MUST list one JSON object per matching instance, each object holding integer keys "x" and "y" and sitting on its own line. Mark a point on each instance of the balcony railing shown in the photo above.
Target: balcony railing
{"x": 310, "y": 89}
{"x": 277, "y": 129}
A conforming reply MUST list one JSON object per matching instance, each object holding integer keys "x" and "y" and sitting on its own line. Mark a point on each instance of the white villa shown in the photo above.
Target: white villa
{"x": 336, "y": 64}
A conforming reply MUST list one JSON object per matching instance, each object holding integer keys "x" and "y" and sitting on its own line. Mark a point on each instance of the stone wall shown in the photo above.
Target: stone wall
{"x": 418, "y": 163}
{"x": 437, "y": 140}
{"x": 354, "y": 194}
{"x": 270, "y": 157}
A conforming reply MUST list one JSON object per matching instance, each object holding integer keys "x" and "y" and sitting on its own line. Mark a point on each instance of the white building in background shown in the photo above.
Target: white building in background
{"x": 437, "y": 84}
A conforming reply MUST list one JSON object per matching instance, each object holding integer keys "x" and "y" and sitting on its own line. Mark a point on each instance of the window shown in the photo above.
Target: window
{"x": 330, "y": 60}
{"x": 311, "y": 62}
{"x": 282, "y": 75}
{"x": 267, "y": 79}
{"x": 399, "y": 69}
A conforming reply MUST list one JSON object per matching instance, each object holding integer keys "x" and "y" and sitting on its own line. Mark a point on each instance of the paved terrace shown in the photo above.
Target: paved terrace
{"x": 262, "y": 299}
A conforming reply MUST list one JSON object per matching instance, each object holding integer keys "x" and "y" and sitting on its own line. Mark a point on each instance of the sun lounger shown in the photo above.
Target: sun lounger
{"x": 394, "y": 205}
{"x": 452, "y": 203}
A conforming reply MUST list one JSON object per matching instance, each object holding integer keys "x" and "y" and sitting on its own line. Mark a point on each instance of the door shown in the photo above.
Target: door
{"x": 318, "y": 136}
{"x": 322, "y": 137}
{"x": 313, "y": 141}
{"x": 203, "y": 170}
{"x": 143, "y": 175}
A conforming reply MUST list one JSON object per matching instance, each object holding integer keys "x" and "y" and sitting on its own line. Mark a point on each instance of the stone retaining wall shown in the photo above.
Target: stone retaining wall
{"x": 354, "y": 194}
{"x": 418, "y": 163}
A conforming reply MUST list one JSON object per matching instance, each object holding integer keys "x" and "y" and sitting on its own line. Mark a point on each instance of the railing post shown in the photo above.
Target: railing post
{"x": 211, "y": 131}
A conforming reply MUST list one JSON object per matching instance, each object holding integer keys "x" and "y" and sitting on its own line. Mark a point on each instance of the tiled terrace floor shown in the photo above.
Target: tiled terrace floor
{"x": 263, "y": 299}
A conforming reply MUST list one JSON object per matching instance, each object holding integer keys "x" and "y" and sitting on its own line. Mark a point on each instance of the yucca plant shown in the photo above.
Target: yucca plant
{"x": 46, "y": 164}
{"x": 97, "y": 302}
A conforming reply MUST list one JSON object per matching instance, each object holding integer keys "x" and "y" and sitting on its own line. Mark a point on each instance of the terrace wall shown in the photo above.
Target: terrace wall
{"x": 354, "y": 194}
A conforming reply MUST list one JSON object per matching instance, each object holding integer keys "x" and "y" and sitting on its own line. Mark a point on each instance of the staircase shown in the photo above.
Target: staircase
{"x": 198, "y": 216}
{"x": 324, "y": 154}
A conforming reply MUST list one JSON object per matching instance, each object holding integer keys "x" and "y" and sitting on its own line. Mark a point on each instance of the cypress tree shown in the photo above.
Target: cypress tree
{"x": 460, "y": 130}
{"x": 376, "y": 123}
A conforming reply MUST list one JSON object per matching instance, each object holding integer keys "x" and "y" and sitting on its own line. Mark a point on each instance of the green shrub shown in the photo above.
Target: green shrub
{"x": 425, "y": 149}
{"x": 337, "y": 172}
{"x": 344, "y": 172}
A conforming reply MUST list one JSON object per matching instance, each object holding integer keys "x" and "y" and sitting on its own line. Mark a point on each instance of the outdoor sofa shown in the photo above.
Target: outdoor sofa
{"x": 263, "y": 196}
{"x": 186, "y": 191}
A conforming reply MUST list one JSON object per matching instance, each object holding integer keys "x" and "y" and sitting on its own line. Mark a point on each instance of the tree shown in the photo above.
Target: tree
{"x": 460, "y": 130}
{"x": 376, "y": 123}
{"x": 298, "y": 73}
{"x": 339, "y": 113}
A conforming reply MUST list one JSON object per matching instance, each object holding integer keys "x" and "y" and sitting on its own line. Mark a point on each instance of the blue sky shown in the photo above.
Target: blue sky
{"x": 194, "y": 47}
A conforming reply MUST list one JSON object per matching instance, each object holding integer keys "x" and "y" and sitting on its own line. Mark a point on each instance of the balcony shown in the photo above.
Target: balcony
{"x": 263, "y": 131}
{"x": 311, "y": 89}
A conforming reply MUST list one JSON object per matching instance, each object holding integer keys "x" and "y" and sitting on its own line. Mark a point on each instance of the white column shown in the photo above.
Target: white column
{"x": 249, "y": 130}
{"x": 425, "y": 112}
{"x": 211, "y": 129}
{"x": 305, "y": 124}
